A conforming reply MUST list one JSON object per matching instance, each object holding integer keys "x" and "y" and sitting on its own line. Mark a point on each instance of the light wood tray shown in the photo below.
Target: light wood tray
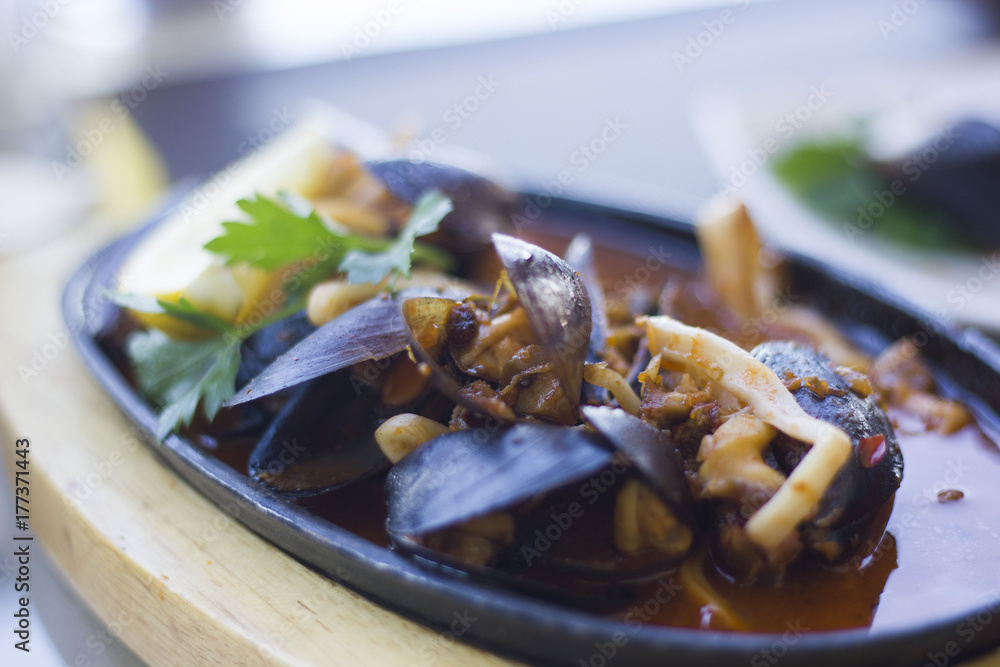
{"x": 187, "y": 583}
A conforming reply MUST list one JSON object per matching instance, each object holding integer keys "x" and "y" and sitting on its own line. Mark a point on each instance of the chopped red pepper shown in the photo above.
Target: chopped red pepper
{"x": 872, "y": 450}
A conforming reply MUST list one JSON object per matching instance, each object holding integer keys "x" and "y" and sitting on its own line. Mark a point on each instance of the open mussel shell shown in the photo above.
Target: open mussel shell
{"x": 373, "y": 330}
{"x": 642, "y": 452}
{"x": 469, "y": 473}
{"x": 425, "y": 321}
{"x": 480, "y": 206}
{"x": 867, "y": 480}
{"x": 580, "y": 256}
{"x": 257, "y": 352}
{"x": 578, "y": 542}
{"x": 528, "y": 469}
{"x": 650, "y": 452}
{"x": 262, "y": 347}
{"x": 556, "y": 303}
{"x": 321, "y": 440}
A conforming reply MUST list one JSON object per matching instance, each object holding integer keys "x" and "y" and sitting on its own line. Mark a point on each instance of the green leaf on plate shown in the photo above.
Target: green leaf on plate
{"x": 178, "y": 375}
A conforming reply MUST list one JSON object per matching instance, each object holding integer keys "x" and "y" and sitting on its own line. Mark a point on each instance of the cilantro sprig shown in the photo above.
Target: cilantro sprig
{"x": 365, "y": 266}
{"x": 181, "y": 375}
{"x": 277, "y": 236}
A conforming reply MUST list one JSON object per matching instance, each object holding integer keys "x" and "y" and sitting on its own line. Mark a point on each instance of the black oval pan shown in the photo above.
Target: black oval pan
{"x": 533, "y": 630}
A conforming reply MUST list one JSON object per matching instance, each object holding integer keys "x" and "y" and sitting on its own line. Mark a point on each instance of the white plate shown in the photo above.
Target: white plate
{"x": 744, "y": 126}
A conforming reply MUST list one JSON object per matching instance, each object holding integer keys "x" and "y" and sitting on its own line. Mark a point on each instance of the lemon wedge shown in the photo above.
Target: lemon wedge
{"x": 171, "y": 262}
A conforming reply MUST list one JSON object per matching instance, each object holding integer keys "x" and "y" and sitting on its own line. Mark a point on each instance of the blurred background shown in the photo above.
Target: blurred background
{"x": 815, "y": 112}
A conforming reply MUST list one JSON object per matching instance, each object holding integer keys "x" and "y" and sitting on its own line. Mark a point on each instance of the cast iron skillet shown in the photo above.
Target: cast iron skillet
{"x": 529, "y": 629}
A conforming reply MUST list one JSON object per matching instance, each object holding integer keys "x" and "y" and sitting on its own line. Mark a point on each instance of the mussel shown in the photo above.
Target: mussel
{"x": 860, "y": 492}
{"x": 580, "y": 256}
{"x": 524, "y": 357}
{"x": 261, "y": 349}
{"x": 256, "y": 354}
{"x": 651, "y": 451}
{"x": 469, "y": 473}
{"x": 371, "y": 331}
{"x": 316, "y": 443}
{"x": 323, "y": 438}
{"x": 525, "y": 499}
{"x": 480, "y": 206}
{"x": 557, "y": 305}
{"x": 469, "y": 502}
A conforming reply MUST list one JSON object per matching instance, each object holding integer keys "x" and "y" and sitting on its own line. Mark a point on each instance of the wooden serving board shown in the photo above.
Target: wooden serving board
{"x": 186, "y": 582}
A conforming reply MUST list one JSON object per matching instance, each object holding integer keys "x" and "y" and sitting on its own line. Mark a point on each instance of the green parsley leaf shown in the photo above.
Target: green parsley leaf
{"x": 182, "y": 310}
{"x": 369, "y": 267}
{"x": 275, "y": 237}
{"x": 178, "y": 375}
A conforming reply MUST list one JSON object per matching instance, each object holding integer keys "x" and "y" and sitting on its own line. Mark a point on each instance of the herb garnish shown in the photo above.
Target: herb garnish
{"x": 180, "y": 375}
{"x": 277, "y": 236}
